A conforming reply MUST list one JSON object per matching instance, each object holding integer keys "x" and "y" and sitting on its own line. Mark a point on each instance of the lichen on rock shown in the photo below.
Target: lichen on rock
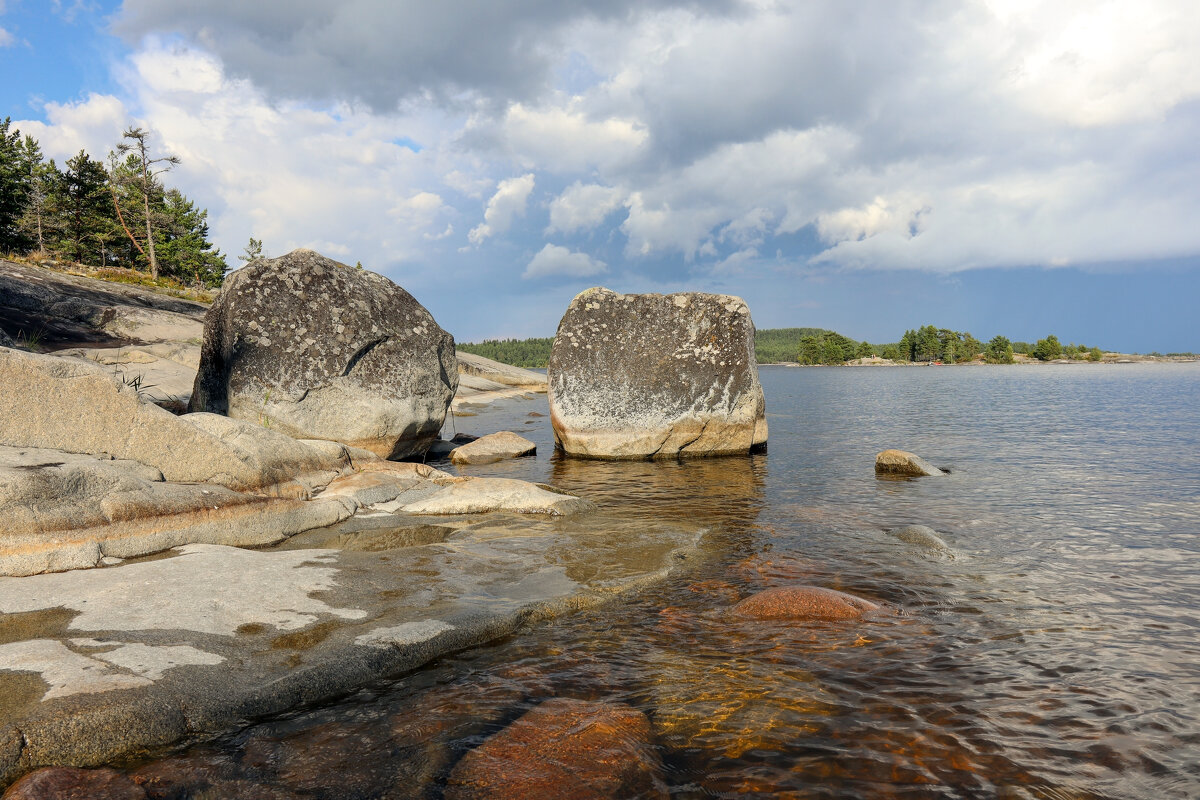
{"x": 655, "y": 376}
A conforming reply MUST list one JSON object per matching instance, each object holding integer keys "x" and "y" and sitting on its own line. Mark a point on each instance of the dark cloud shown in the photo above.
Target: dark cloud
{"x": 383, "y": 52}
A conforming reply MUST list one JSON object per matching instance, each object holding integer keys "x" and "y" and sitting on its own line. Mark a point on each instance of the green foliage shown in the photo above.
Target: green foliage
{"x": 1047, "y": 349}
{"x": 938, "y": 344}
{"x": 253, "y": 250}
{"x": 999, "y": 351}
{"x": 114, "y": 217}
{"x": 527, "y": 353}
{"x": 775, "y": 345}
{"x": 14, "y": 189}
{"x": 1096, "y": 354}
{"x": 1022, "y": 347}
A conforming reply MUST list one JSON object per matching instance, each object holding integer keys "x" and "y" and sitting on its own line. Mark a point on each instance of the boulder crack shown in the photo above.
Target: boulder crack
{"x": 362, "y": 351}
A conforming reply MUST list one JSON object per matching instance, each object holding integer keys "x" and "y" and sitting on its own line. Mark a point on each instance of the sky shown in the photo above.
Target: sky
{"x": 1009, "y": 167}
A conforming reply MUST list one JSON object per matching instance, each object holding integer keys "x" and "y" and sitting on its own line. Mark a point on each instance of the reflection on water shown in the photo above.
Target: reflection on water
{"x": 1053, "y": 653}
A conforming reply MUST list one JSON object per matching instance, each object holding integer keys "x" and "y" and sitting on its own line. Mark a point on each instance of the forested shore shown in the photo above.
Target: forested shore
{"x": 813, "y": 346}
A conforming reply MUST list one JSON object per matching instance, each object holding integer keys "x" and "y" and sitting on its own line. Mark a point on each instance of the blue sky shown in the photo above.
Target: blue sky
{"x": 1009, "y": 167}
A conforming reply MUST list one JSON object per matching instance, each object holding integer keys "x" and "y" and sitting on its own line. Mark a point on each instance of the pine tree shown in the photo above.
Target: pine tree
{"x": 146, "y": 174}
{"x": 183, "y": 242}
{"x": 85, "y": 207}
{"x": 14, "y": 189}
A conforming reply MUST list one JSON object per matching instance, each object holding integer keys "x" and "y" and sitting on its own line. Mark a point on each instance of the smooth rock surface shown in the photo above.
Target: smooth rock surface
{"x": 563, "y": 748}
{"x": 99, "y": 664}
{"x": 61, "y": 511}
{"x": 318, "y": 350}
{"x": 655, "y": 376}
{"x": 903, "y": 463}
{"x": 500, "y": 373}
{"x": 80, "y": 407}
{"x": 162, "y": 373}
{"x": 803, "y": 602}
{"x": 61, "y": 310}
{"x": 482, "y": 495}
{"x": 493, "y": 447}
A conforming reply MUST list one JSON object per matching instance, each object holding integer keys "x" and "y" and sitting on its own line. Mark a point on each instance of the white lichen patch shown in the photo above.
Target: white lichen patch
{"x": 405, "y": 634}
{"x": 65, "y": 671}
{"x": 146, "y": 660}
{"x": 207, "y": 588}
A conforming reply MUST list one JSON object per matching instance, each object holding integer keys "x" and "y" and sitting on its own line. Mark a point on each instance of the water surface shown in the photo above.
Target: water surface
{"x": 1052, "y": 651}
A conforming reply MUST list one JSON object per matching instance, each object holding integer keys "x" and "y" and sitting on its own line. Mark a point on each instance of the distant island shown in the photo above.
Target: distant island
{"x": 817, "y": 346}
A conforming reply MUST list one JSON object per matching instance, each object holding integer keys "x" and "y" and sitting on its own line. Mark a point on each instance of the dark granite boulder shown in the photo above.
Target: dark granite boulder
{"x": 318, "y": 350}
{"x": 655, "y": 376}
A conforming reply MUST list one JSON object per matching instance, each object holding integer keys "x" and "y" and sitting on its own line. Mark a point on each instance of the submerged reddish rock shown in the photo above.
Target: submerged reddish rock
{"x": 569, "y": 749}
{"x": 803, "y": 602}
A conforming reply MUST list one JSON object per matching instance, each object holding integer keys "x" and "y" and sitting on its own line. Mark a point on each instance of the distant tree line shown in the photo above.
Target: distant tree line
{"x": 527, "y": 353}
{"x": 112, "y": 214}
{"x": 820, "y": 346}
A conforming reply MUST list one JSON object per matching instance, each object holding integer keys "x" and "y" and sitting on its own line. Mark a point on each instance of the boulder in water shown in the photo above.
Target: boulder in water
{"x": 493, "y": 447}
{"x": 564, "y": 749}
{"x": 655, "y": 376}
{"x": 921, "y": 536}
{"x": 318, "y": 350}
{"x": 903, "y": 463}
{"x": 803, "y": 602}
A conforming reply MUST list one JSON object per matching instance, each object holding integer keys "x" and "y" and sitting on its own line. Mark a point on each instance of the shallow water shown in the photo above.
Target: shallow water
{"x": 1052, "y": 651}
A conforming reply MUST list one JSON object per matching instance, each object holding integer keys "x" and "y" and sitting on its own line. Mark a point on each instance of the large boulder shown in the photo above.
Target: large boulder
{"x": 318, "y": 350}
{"x": 493, "y": 447}
{"x": 78, "y": 406}
{"x": 655, "y": 376}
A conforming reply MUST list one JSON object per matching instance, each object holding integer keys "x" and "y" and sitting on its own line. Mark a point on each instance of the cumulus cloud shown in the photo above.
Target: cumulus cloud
{"x": 690, "y": 137}
{"x": 555, "y": 260}
{"x": 583, "y": 207}
{"x": 506, "y": 205}
{"x": 334, "y": 180}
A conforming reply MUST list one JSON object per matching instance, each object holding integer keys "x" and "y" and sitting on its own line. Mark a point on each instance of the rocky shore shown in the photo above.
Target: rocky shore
{"x": 166, "y": 575}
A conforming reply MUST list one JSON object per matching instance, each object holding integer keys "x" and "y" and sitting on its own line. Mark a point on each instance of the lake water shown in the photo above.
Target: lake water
{"x": 1053, "y": 651}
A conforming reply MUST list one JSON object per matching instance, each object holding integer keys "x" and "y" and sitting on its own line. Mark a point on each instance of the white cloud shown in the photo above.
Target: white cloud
{"x": 555, "y": 260}
{"x": 506, "y": 205}
{"x": 583, "y": 207}
{"x": 6, "y": 38}
{"x": 564, "y": 139}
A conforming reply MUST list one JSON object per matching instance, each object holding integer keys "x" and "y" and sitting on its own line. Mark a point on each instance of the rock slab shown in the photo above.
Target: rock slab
{"x": 318, "y": 350}
{"x": 569, "y": 749}
{"x": 493, "y": 447}
{"x": 655, "y": 376}
{"x": 78, "y": 406}
{"x": 903, "y": 463}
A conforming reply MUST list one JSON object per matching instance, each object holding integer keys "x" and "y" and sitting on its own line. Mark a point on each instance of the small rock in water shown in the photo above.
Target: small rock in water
{"x": 69, "y": 783}
{"x": 803, "y": 602}
{"x": 901, "y": 462}
{"x": 569, "y": 749}
{"x": 493, "y": 447}
{"x": 920, "y": 535}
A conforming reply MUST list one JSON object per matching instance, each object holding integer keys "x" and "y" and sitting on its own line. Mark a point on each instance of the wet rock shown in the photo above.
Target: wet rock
{"x": 184, "y": 776}
{"x": 803, "y": 602}
{"x": 493, "y": 447}
{"x": 921, "y": 536}
{"x": 80, "y": 407}
{"x": 564, "y": 749}
{"x": 655, "y": 376}
{"x": 484, "y": 495}
{"x": 352, "y": 759}
{"x": 900, "y": 462}
{"x": 319, "y": 350}
{"x": 69, "y": 783}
